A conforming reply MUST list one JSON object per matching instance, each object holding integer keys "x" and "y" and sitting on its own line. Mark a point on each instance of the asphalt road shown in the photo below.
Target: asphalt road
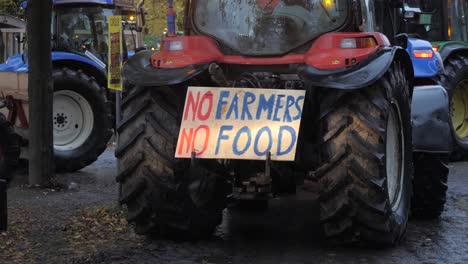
{"x": 286, "y": 233}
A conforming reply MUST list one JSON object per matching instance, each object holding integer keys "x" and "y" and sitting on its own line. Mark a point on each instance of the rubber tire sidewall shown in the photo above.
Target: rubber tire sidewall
{"x": 72, "y": 160}
{"x": 400, "y": 215}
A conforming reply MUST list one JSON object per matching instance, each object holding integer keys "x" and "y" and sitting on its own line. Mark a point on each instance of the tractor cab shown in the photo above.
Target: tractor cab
{"x": 265, "y": 27}
{"x": 254, "y": 30}
{"x": 82, "y": 30}
{"x": 436, "y": 20}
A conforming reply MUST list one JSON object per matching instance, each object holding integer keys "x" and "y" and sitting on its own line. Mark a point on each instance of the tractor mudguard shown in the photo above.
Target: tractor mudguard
{"x": 452, "y": 47}
{"x": 18, "y": 63}
{"x": 68, "y": 56}
{"x": 430, "y": 117}
{"x": 102, "y": 2}
{"x": 15, "y": 63}
{"x": 139, "y": 71}
{"x": 361, "y": 75}
{"x": 424, "y": 67}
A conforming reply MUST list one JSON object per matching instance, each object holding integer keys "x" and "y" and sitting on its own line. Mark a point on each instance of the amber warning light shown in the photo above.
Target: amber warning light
{"x": 423, "y": 54}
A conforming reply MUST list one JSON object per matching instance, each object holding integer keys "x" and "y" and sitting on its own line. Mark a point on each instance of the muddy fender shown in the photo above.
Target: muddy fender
{"x": 361, "y": 75}
{"x": 430, "y": 117}
{"x": 452, "y": 49}
{"x": 139, "y": 71}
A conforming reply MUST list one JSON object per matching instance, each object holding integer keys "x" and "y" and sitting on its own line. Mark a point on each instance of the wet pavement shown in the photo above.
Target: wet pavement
{"x": 287, "y": 232}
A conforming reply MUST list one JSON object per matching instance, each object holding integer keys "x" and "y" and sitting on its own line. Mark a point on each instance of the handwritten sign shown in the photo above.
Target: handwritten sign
{"x": 115, "y": 53}
{"x": 240, "y": 123}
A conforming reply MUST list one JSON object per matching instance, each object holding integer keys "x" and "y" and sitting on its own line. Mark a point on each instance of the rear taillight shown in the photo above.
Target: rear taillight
{"x": 435, "y": 48}
{"x": 358, "y": 43}
{"x": 423, "y": 54}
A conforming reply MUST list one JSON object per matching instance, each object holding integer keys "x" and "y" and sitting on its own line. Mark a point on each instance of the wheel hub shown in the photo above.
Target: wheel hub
{"x": 60, "y": 121}
{"x": 459, "y": 105}
{"x": 73, "y": 120}
{"x": 394, "y": 157}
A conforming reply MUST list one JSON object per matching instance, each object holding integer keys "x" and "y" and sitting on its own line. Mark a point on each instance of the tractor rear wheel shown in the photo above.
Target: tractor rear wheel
{"x": 430, "y": 185}
{"x": 81, "y": 120}
{"x": 366, "y": 156}
{"x": 9, "y": 149}
{"x": 455, "y": 80}
{"x": 177, "y": 198}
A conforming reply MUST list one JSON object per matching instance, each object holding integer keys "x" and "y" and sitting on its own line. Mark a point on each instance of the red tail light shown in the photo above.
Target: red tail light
{"x": 423, "y": 54}
{"x": 358, "y": 43}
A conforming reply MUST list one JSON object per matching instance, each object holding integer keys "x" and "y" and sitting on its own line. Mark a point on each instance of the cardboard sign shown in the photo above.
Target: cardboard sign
{"x": 240, "y": 123}
{"x": 114, "y": 75}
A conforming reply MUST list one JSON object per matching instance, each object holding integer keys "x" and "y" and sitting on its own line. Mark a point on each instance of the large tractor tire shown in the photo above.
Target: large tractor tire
{"x": 173, "y": 198}
{"x": 366, "y": 156}
{"x": 81, "y": 120}
{"x": 430, "y": 185}
{"x": 455, "y": 80}
{"x": 9, "y": 149}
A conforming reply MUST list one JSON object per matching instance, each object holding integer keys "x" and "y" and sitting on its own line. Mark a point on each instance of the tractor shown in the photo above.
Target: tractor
{"x": 260, "y": 98}
{"x": 445, "y": 24}
{"x": 82, "y": 106}
{"x": 430, "y": 158}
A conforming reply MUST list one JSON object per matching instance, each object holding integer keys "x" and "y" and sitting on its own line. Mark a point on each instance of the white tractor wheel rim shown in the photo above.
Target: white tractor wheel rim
{"x": 73, "y": 120}
{"x": 395, "y": 151}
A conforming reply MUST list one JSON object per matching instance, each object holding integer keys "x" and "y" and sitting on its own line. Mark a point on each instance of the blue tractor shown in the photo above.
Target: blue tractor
{"x": 432, "y": 133}
{"x": 82, "y": 110}
{"x": 431, "y": 129}
{"x": 444, "y": 23}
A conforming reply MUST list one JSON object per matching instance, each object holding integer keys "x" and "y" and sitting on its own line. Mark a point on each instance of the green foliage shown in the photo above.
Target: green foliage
{"x": 156, "y": 16}
{"x": 152, "y": 41}
{"x": 11, "y": 7}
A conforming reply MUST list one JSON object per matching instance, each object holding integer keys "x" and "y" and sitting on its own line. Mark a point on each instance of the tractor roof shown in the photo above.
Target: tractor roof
{"x": 121, "y": 3}
{"x": 7, "y": 21}
{"x": 102, "y": 2}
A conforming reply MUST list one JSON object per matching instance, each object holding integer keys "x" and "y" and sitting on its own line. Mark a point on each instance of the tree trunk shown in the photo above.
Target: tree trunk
{"x": 40, "y": 90}
{"x": 2, "y": 48}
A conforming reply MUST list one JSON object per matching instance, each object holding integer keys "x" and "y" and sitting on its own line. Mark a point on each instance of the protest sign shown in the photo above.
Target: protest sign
{"x": 115, "y": 53}
{"x": 240, "y": 123}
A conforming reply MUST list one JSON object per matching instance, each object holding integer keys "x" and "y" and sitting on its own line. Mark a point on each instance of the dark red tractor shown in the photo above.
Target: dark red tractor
{"x": 260, "y": 98}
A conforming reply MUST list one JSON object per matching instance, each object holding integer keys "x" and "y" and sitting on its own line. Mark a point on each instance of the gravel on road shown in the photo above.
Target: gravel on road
{"x": 82, "y": 223}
